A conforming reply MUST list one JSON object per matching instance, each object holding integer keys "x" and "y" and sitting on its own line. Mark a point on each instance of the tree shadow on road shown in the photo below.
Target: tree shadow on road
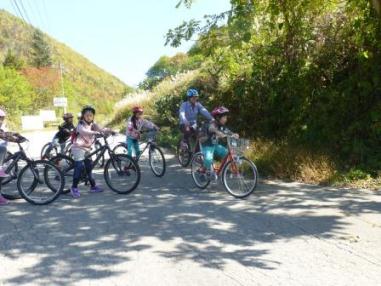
{"x": 89, "y": 238}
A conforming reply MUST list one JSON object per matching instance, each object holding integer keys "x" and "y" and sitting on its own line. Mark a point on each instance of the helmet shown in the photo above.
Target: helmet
{"x": 192, "y": 92}
{"x": 79, "y": 115}
{"x": 219, "y": 111}
{"x": 2, "y": 113}
{"x": 88, "y": 108}
{"x": 137, "y": 109}
{"x": 67, "y": 116}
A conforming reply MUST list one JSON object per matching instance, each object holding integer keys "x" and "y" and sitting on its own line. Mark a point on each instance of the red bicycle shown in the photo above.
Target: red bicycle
{"x": 238, "y": 174}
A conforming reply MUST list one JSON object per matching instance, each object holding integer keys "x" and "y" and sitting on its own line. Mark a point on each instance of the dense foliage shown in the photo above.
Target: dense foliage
{"x": 298, "y": 73}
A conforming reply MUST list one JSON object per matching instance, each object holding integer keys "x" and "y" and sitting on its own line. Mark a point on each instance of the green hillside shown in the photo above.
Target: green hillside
{"x": 34, "y": 88}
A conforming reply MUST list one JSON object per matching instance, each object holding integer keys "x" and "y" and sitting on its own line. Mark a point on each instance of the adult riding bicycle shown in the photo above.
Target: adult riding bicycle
{"x": 156, "y": 157}
{"x": 238, "y": 174}
{"x": 121, "y": 172}
{"x": 39, "y": 182}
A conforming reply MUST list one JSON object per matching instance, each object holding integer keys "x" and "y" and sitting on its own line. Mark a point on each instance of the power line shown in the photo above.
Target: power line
{"x": 26, "y": 14}
{"x": 18, "y": 9}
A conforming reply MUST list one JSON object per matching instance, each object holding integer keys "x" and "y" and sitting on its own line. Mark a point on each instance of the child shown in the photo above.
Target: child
{"x": 215, "y": 131}
{"x": 86, "y": 132}
{"x": 65, "y": 130}
{"x": 4, "y": 138}
{"x": 135, "y": 124}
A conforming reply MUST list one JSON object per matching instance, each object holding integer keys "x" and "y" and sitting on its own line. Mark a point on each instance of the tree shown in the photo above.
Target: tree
{"x": 12, "y": 61}
{"x": 41, "y": 56}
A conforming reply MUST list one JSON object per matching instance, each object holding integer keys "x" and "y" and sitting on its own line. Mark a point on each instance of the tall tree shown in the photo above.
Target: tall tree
{"x": 41, "y": 55}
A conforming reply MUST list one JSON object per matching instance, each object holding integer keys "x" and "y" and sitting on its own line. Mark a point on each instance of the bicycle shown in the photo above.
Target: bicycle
{"x": 238, "y": 174}
{"x": 185, "y": 152}
{"x": 156, "y": 157}
{"x": 118, "y": 168}
{"x": 51, "y": 149}
{"x": 31, "y": 178}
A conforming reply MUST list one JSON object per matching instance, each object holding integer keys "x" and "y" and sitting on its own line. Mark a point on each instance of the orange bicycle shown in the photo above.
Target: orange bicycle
{"x": 238, "y": 174}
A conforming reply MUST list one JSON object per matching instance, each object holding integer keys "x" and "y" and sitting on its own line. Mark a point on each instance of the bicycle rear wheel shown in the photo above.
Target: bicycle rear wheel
{"x": 121, "y": 148}
{"x": 66, "y": 166}
{"x": 122, "y": 174}
{"x": 198, "y": 171}
{"x": 240, "y": 177}
{"x": 156, "y": 161}
{"x": 184, "y": 156}
{"x": 40, "y": 182}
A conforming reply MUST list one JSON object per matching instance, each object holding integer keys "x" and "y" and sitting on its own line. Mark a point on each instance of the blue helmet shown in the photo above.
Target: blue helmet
{"x": 192, "y": 92}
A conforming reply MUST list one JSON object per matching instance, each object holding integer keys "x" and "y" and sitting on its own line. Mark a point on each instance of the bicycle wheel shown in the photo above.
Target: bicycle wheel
{"x": 44, "y": 149}
{"x": 184, "y": 156}
{"x": 122, "y": 174}
{"x": 121, "y": 148}
{"x": 198, "y": 171}
{"x": 156, "y": 161}
{"x": 240, "y": 177}
{"x": 11, "y": 168}
{"x": 66, "y": 166}
{"x": 50, "y": 152}
{"x": 101, "y": 160}
{"x": 40, "y": 182}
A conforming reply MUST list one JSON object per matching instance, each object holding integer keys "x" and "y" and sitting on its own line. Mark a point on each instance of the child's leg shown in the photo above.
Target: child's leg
{"x": 220, "y": 151}
{"x": 89, "y": 171}
{"x": 137, "y": 148}
{"x": 78, "y": 168}
{"x": 208, "y": 152}
{"x": 3, "y": 152}
{"x": 130, "y": 147}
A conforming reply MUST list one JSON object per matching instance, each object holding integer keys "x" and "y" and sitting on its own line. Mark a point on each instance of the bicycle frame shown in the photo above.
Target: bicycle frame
{"x": 229, "y": 157}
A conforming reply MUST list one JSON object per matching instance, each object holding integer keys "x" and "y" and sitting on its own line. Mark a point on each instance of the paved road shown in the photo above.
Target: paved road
{"x": 169, "y": 233}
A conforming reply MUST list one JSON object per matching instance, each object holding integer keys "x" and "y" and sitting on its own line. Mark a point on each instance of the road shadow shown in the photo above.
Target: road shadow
{"x": 84, "y": 239}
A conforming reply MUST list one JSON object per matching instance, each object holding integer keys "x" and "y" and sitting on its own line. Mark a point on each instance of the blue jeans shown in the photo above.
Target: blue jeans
{"x": 211, "y": 151}
{"x": 133, "y": 147}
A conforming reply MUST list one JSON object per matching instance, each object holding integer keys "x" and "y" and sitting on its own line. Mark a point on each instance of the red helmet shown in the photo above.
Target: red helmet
{"x": 137, "y": 109}
{"x": 218, "y": 111}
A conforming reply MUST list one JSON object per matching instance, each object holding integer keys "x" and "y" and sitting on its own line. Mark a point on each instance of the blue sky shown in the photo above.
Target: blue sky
{"x": 124, "y": 37}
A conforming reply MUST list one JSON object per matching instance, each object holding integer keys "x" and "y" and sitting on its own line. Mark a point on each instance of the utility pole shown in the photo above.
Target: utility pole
{"x": 62, "y": 83}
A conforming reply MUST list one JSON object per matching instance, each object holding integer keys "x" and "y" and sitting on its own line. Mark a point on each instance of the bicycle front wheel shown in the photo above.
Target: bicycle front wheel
{"x": 40, "y": 182}
{"x": 240, "y": 177}
{"x": 183, "y": 154}
{"x": 122, "y": 174}
{"x": 156, "y": 161}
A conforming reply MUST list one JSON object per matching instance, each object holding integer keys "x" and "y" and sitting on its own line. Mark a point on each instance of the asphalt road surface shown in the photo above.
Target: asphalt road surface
{"x": 167, "y": 232}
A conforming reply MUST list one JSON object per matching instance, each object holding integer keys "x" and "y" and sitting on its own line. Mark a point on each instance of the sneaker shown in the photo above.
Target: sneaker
{"x": 2, "y": 173}
{"x": 75, "y": 193}
{"x": 96, "y": 189}
{"x": 212, "y": 176}
{"x": 3, "y": 201}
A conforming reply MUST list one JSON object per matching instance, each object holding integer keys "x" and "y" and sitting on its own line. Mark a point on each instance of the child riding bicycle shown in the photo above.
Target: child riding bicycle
{"x": 135, "y": 124}
{"x": 214, "y": 131}
{"x": 64, "y": 131}
{"x": 83, "y": 140}
{"x": 5, "y": 137}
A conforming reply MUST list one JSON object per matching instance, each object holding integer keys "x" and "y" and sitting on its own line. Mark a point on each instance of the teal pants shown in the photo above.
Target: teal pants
{"x": 133, "y": 147}
{"x": 211, "y": 151}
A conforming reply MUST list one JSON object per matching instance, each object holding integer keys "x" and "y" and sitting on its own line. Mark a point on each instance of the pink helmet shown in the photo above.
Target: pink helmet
{"x": 221, "y": 110}
{"x": 2, "y": 113}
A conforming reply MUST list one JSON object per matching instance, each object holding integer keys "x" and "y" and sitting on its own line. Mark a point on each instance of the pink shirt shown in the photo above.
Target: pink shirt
{"x": 133, "y": 132}
{"x": 86, "y": 135}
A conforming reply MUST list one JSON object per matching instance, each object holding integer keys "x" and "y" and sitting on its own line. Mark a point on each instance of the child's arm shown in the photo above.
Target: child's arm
{"x": 83, "y": 131}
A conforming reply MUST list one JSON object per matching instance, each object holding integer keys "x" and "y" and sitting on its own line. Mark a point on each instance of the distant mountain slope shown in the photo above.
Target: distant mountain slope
{"x": 84, "y": 82}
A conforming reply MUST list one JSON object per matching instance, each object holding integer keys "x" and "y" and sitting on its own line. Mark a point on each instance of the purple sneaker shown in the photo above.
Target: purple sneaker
{"x": 96, "y": 189}
{"x": 75, "y": 193}
{"x": 3, "y": 201}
